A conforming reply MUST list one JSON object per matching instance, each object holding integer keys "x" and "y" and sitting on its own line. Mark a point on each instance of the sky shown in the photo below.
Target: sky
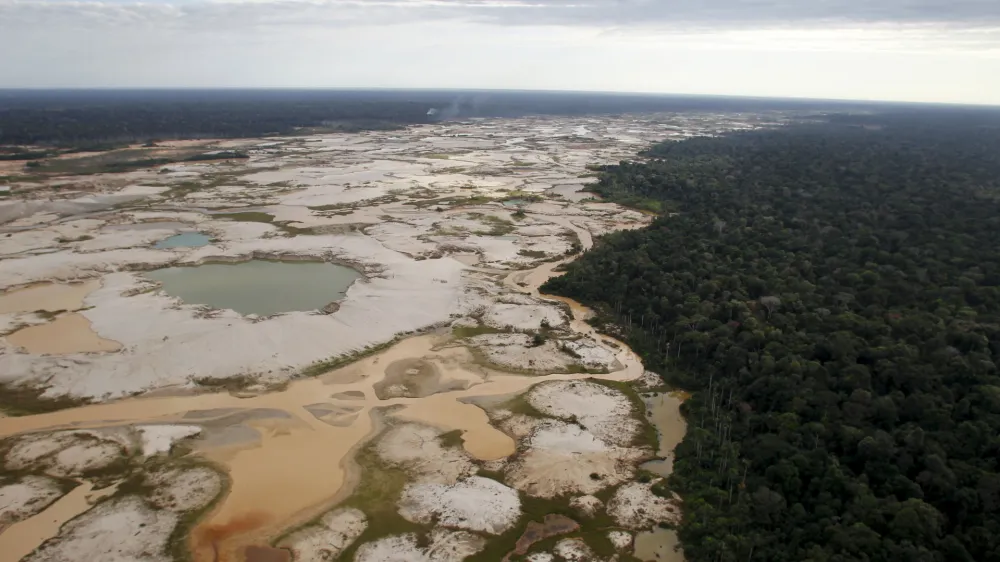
{"x": 906, "y": 50}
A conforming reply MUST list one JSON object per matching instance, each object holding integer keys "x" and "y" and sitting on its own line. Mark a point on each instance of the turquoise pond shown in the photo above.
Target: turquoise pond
{"x": 184, "y": 240}
{"x": 258, "y": 287}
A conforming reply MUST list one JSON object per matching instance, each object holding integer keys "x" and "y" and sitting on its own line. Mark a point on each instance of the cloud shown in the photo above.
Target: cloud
{"x": 687, "y": 14}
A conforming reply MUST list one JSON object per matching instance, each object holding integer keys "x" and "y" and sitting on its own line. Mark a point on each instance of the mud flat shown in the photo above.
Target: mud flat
{"x": 70, "y": 333}
{"x": 50, "y": 297}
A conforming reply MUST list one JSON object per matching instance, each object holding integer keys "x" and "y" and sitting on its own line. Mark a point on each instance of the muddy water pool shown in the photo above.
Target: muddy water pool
{"x": 258, "y": 286}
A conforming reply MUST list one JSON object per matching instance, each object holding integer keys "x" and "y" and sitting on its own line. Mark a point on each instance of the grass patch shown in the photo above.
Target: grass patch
{"x": 249, "y": 216}
{"x": 267, "y": 218}
{"x": 452, "y": 438}
{"x": 183, "y": 189}
{"x": 460, "y": 332}
{"x": 498, "y": 226}
{"x": 320, "y": 367}
{"x": 377, "y": 496}
{"x": 219, "y": 384}
{"x": 647, "y": 436}
{"x": 534, "y": 254}
{"x": 48, "y": 314}
{"x": 286, "y": 227}
{"x": 451, "y": 201}
{"x": 127, "y": 160}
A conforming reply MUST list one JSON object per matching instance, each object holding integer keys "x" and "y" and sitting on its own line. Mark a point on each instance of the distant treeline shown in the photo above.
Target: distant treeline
{"x": 95, "y": 119}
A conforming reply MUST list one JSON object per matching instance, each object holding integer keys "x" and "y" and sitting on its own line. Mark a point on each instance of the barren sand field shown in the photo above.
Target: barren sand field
{"x": 417, "y": 418}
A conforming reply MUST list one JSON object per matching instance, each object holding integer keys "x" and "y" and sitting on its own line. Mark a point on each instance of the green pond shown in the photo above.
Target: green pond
{"x": 258, "y": 287}
{"x": 184, "y": 240}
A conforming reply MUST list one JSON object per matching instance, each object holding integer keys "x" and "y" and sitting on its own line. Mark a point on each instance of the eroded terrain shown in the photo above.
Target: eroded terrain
{"x": 441, "y": 410}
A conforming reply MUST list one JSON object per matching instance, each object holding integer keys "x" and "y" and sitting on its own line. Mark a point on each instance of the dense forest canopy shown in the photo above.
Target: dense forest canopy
{"x": 830, "y": 293}
{"x": 80, "y": 117}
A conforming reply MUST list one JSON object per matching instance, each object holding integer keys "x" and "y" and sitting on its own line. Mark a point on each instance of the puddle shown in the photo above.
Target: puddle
{"x": 49, "y": 296}
{"x": 258, "y": 287}
{"x": 70, "y": 333}
{"x": 658, "y": 546}
{"x": 184, "y": 240}
{"x": 515, "y": 203}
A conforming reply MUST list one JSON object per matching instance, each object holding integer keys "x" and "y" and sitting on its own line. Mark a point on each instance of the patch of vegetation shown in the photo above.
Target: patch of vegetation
{"x": 21, "y": 400}
{"x": 498, "y": 226}
{"x": 321, "y": 367}
{"x": 452, "y": 438}
{"x": 287, "y": 228}
{"x": 647, "y": 437}
{"x": 461, "y": 332}
{"x": 526, "y": 196}
{"x": 218, "y": 155}
{"x": 234, "y": 383}
{"x": 82, "y": 238}
{"x": 248, "y": 216}
{"x": 183, "y": 189}
{"x": 451, "y": 202}
{"x": 24, "y": 155}
{"x": 48, "y": 314}
{"x": 177, "y": 544}
{"x": 533, "y": 254}
{"x": 377, "y": 496}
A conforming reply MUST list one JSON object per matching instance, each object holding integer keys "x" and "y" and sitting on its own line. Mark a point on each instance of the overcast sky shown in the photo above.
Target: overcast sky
{"x": 914, "y": 50}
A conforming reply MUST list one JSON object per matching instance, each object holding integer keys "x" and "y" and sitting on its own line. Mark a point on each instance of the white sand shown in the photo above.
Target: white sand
{"x": 418, "y": 449}
{"x": 574, "y": 550}
{"x": 184, "y": 489}
{"x": 121, "y": 530}
{"x": 158, "y": 439}
{"x": 621, "y": 539}
{"x": 636, "y": 507}
{"x": 474, "y": 504}
{"x": 26, "y": 497}
{"x": 561, "y": 459}
{"x": 335, "y": 531}
{"x": 604, "y": 411}
{"x": 445, "y": 546}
